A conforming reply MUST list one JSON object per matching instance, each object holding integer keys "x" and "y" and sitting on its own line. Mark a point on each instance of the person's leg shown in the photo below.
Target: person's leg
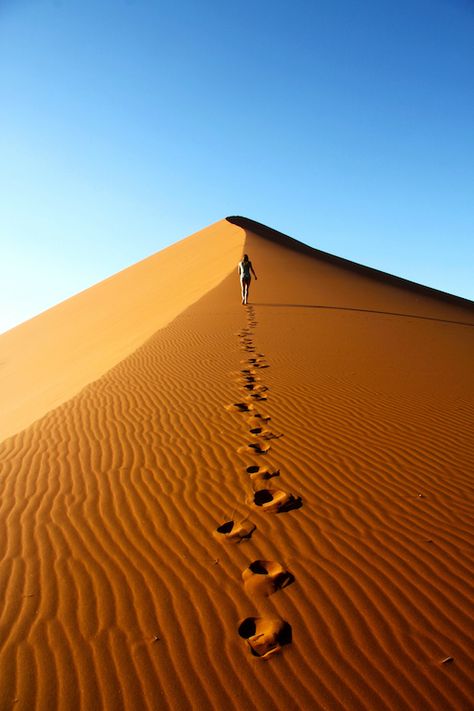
{"x": 247, "y": 294}
{"x": 242, "y": 286}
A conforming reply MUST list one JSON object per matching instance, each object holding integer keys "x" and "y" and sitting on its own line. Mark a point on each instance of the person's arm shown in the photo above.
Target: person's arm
{"x": 253, "y": 271}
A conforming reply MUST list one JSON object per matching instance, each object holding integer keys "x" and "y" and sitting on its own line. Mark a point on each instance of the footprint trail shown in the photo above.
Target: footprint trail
{"x": 265, "y": 636}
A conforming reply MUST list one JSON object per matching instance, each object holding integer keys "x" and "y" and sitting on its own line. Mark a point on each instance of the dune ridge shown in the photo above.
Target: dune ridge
{"x": 117, "y": 593}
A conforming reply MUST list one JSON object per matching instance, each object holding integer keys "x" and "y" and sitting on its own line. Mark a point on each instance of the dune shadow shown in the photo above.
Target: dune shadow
{"x": 365, "y": 311}
{"x": 287, "y": 242}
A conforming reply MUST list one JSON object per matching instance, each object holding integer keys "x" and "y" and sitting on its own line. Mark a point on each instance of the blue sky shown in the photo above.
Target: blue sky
{"x": 127, "y": 125}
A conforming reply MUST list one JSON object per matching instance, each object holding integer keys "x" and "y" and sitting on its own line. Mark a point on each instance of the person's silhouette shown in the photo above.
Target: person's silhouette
{"x": 245, "y": 269}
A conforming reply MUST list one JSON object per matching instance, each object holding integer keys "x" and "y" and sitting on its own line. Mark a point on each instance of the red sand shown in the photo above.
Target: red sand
{"x": 119, "y": 592}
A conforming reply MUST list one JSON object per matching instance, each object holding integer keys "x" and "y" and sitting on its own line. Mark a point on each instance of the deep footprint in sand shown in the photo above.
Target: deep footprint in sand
{"x": 254, "y": 447}
{"x": 235, "y": 531}
{"x": 264, "y": 577}
{"x": 250, "y": 379}
{"x": 265, "y": 635}
{"x": 259, "y": 475}
{"x": 253, "y": 362}
{"x": 257, "y": 431}
{"x": 256, "y": 363}
{"x": 263, "y": 433}
{"x": 239, "y": 407}
{"x": 257, "y": 396}
{"x": 255, "y": 387}
{"x": 275, "y": 500}
{"x": 256, "y": 418}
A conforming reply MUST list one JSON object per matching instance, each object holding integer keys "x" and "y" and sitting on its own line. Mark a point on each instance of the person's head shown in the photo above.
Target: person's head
{"x": 246, "y": 258}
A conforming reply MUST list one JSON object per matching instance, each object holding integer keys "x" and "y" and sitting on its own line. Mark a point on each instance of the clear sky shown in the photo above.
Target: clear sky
{"x": 126, "y": 125}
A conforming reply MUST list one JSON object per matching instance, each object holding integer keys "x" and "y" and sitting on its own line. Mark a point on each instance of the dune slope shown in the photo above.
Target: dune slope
{"x": 120, "y": 593}
{"x": 48, "y": 359}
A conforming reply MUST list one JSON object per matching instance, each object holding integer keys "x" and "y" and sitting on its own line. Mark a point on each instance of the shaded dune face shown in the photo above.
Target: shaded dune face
{"x": 120, "y": 584}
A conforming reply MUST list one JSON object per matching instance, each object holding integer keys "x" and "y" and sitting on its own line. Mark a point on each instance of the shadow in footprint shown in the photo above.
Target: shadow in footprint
{"x": 264, "y": 577}
{"x": 239, "y": 407}
{"x": 276, "y": 500}
{"x": 265, "y": 636}
{"x": 257, "y": 396}
{"x": 256, "y": 418}
{"x": 235, "y": 531}
{"x": 261, "y": 474}
{"x": 256, "y": 362}
{"x": 255, "y": 447}
{"x": 263, "y": 433}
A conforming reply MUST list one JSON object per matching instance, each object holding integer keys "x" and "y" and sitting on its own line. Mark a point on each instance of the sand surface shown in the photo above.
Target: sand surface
{"x": 50, "y": 358}
{"x": 355, "y": 501}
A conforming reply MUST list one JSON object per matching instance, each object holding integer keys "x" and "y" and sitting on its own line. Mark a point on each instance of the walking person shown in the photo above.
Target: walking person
{"x": 245, "y": 268}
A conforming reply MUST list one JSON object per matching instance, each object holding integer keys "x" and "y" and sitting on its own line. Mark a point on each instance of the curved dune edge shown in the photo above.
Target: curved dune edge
{"x": 279, "y": 238}
{"x": 116, "y": 593}
{"x": 48, "y": 359}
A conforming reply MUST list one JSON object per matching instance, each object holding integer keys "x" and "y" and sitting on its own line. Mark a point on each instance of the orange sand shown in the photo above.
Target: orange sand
{"x": 117, "y": 591}
{"x": 48, "y": 359}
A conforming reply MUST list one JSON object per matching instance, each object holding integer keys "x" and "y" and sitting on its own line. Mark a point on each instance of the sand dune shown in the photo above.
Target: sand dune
{"x": 47, "y": 360}
{"x": 173, "y": 539}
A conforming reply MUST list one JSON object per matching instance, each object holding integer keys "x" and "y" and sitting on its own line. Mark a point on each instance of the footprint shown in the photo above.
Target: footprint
{"x": 275, "y": 500}
{"x": 263, "y": 433}
{"x": 256, "y": 419}
{"x": 235, "y": 531}
{"x": 265, "y": 577}
{"x": 255, "y": 447}
{"x": 260, "y": 474}
{"x": 257, "y": 363}
{"x": 250, "y": 379}
{"x": 239, "y": 407}
{"x": 257, "y": 396}
{"x": 247, "y": 380}
{"x": 265, "y": 636}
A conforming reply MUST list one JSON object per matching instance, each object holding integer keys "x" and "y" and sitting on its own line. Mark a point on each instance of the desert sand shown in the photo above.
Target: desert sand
{"x": 205, "y": 505}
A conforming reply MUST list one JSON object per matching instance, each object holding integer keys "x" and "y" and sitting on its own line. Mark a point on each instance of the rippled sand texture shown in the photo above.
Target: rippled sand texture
{"x": 118, "y": 594}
